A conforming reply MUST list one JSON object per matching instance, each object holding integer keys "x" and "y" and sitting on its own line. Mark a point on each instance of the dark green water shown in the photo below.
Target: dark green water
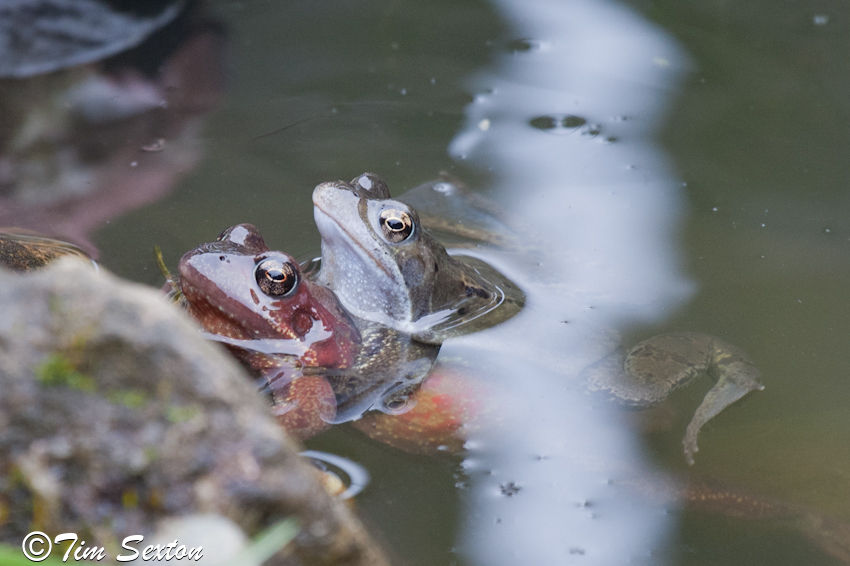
{"x": 757, "y": 129}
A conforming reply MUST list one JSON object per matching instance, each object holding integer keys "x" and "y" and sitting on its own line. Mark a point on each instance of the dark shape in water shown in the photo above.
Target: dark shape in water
{"x": 22, "y": 250}
{"x": 42, "y": 36}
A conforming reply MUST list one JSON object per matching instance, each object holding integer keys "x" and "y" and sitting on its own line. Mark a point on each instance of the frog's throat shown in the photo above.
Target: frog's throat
{"x": 354, "y": 242}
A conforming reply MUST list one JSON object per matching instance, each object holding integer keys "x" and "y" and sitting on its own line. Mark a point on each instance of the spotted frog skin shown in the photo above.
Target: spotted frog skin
{"x": 321, "y": 365}
{"x": 258, "y": 303}
{"x": 385, "y": 267}
{"x": 372, "y": 242}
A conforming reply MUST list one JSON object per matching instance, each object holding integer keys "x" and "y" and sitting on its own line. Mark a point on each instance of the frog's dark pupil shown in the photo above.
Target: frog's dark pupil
{"x": 276, "y": 277}
{"x": 397, "y": 225}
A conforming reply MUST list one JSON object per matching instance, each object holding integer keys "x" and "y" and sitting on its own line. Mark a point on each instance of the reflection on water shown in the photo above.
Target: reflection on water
{"x": 82, "y": 145}
{"x": 563, "y": 120}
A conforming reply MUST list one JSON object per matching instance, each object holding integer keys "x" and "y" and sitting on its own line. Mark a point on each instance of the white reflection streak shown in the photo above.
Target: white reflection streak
{"x": 606, "y": 215}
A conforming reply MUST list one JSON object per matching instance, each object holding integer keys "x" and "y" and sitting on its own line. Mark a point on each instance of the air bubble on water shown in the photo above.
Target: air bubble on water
{"x": 484, "y": 124}
{"x": 820, "y": 19}
{"x": 543, "y": 122}
{"x": 558, "y": 123}
{"x": 827, "y": 230}
{"x": 571, "y": 121}
{"x": 403, "y": 91}
{"x": 443, "y": 187}
{"x": 714, "y": 209}
{"x": 525, "y": 45}
{"x": 509, "y": 489}
{"x": 134, "y": 164}
{"x": 591, "y": 130}
{"x": 763, "y": 225}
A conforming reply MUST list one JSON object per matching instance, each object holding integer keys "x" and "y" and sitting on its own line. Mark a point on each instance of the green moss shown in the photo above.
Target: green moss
{"x": 130, "y": 398}
{"x": 11, "y": 555}
{"x": 57, "y": 369}
{"x": 181, "y": 413}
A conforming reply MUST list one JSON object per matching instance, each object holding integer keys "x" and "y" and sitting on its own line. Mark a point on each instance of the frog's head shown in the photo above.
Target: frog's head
{"x": 381, "y": 263}
{"x": 239, "y": 289}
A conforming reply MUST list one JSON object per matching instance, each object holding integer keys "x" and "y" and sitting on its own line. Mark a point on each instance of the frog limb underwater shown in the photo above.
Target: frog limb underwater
{"x": 648, "y": 372}
{"x": 385, "y": 266}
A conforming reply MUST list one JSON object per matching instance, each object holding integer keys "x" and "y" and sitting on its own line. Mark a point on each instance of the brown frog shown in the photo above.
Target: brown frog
{"x": 257, "y": 302}
{"x": 384, "y": 266}
{"x": 321, "y": 365}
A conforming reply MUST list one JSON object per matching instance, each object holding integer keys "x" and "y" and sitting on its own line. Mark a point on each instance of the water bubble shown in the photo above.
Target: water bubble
{"x": 827, "y": 230}
{"x": 557, "y": 123}
{"x": 591, "y": 130}
{"x": 820, "y": 19}
{"x": 544, "y": 122}
{"x": 509, "y": 489}
{"x": 524, "y": 45}
{"x": 571, "y": 121}
{"x": 443, "y": 187}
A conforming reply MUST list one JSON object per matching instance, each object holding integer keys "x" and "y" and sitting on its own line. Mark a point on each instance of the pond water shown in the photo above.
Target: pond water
{"x": 669, "y": 165}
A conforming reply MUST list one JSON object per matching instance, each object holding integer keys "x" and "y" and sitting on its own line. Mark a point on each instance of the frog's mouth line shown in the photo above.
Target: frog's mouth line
{"x": 350, "y": 240}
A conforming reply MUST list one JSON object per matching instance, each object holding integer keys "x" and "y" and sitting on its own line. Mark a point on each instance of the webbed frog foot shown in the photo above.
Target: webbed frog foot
{"x": 655, "y": 367}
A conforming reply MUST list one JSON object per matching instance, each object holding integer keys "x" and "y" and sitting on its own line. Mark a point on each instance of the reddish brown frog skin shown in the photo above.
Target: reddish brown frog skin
{"x": 257, "y": 302}
{"x": 451, "y": 403}
{"x": 277, "y": 336}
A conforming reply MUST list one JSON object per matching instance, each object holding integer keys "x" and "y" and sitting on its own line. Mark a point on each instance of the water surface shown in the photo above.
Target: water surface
{"x": 685, "y": 174}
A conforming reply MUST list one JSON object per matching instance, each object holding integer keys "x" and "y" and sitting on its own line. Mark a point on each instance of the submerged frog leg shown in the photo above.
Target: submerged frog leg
{"x": 735, "y": 376}
{"x": 655, "y": 367}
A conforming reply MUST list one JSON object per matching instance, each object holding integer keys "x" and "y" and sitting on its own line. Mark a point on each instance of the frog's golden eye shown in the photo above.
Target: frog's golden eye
{"x": 397, "y": 225}
{"x": 276, "y": 278}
